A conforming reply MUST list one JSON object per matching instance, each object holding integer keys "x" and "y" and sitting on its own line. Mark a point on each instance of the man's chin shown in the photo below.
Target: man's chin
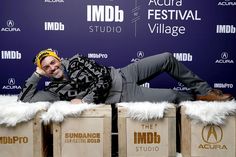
{"x": 58, "y": 76}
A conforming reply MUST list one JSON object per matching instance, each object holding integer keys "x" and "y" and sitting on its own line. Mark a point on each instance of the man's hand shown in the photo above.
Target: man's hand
{"x": 40, "y": 72}
{"x": 76, "y": 101}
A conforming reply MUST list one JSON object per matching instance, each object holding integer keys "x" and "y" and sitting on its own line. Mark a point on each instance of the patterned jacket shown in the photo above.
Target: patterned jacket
{"x": 86, "y": 80}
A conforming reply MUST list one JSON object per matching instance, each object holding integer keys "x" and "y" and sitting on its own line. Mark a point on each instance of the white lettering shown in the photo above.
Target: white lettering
{"x": 227, "y": 3}
{"x": 183, "y": 56}
{"x": 221, "y": 61}
{"x": 10, "y": 55}
{"x": 147, "y": 85}
{"x": 105, "y": 29}
{"x": 104, "y": 13}
{"x": 10, "y": 30}
{"x": 166, "y": 3}
{"x": 11, "y": 87}
{"x": 223, "y": 85}
{"x": 225, "y": 29}
{"x": 54, "y": 26}
{"x": 173, "y": 14}
{"x": 97, "y": 55}
{"x": 54, "y": 1}
{"x": 166, "y": 29}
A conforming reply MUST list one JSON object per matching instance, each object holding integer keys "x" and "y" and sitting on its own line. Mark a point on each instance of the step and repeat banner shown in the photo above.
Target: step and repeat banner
{"x": 200, "y": 34}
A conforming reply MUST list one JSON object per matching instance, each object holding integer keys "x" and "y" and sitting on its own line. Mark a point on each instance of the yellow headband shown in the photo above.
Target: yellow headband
{"x": 42, "y": 54}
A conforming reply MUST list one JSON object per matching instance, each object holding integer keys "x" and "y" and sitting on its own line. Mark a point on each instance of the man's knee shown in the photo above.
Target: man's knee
{"x": 167, "y": 55}
{"x": 172, "y": 97}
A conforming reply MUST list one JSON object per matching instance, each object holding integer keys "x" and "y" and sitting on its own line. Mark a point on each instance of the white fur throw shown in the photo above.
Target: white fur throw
{"x": 13, "y": 112}
{"x": 61, "y": 109}
{"x": 209, "y": 112}
{"x": 144, "y": 111}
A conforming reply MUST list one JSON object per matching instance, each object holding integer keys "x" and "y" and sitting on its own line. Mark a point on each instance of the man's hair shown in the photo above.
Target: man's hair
{"x": 45, "y": 53}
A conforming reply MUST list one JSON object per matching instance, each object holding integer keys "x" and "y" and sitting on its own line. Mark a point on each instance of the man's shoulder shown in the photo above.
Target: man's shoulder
{"x": 77, "y": 56}
{"x": 66, "y": 60}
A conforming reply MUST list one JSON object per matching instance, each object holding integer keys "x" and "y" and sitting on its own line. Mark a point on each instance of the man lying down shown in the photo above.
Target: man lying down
{"x": 81, "y": 80}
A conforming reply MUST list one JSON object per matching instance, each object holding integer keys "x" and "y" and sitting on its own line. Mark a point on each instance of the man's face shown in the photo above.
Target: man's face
{"x": 51, "y": 66}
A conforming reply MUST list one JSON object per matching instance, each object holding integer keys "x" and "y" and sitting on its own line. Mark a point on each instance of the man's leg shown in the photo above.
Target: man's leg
{"x": 135, "y": 93}
{"x": 147, "y": 68}
{"x": 150, "y": 67}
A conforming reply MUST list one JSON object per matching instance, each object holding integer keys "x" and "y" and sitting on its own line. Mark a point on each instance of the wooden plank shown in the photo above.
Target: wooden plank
{"x": 171, "y": 137}
{"x": 107, "y": 137}
{"x": 185, "y": 134}
{"x": 122, "y": 144}
{"x": 56, "y": 140}
{"x": 100, "y": 111}
{"x": 171, "y": 112}
{"x": 38, "y": 136}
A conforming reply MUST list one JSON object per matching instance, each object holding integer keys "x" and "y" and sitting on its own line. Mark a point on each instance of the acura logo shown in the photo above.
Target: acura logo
{"x": 212, "y": 134}
{"x": 140, "y": 54}
{"x": 10, "y": 23}
{"x": 11, "y": 81}
{"x": 224, "y": 55}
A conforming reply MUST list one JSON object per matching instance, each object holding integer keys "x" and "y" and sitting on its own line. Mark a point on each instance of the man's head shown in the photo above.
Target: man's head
{"x": 50, "y": 63}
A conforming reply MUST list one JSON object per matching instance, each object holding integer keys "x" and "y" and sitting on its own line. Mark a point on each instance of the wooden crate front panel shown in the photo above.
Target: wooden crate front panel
{"x": 160, "y": 140}
{"x": 147, "y": 139}
{"x": 75, "y": 141}
{"x": 212, "y": 140}
{"x": 17, "y": 141}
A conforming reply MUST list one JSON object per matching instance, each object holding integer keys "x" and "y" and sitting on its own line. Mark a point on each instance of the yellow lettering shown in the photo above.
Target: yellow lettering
{"x": 146, "y": 138}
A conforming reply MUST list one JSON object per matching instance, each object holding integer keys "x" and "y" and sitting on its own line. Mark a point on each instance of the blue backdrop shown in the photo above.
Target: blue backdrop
{"x": 201, "y": 34}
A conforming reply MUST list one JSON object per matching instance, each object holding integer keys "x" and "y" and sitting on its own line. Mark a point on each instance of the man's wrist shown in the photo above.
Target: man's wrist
{"x": 37, "y": 74}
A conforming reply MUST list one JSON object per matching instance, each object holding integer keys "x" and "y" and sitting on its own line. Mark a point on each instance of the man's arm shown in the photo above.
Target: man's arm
{"x": 30, "y": 94}
{"x": 29, "y": 89}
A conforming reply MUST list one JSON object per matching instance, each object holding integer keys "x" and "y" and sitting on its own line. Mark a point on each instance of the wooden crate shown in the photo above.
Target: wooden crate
{"x": 154, "y": 138}
{"x": 23, "y": 140}
{"x": 199, "y": 140}
{"x": 85, "y": 136}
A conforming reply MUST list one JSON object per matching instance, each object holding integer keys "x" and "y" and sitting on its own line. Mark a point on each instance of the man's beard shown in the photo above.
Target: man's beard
{"x": 59, "y": 75}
